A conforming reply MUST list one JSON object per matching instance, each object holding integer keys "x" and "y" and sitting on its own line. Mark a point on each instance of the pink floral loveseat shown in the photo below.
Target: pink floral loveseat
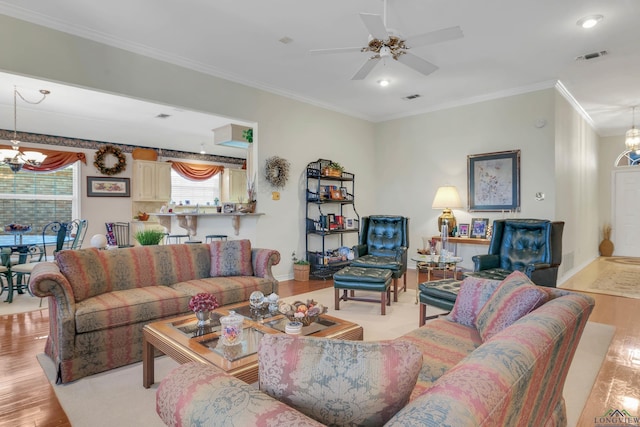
{"x": 99, "y": 300}
{"x": 499, "y": 359}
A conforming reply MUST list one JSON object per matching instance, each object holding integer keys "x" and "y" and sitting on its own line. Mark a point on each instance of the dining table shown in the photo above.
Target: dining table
{"x": 22, "y": 244}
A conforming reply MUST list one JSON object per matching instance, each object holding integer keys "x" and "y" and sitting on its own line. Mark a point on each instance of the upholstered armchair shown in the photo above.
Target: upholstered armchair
{"x": 532, "y": 246}
{"x": 383, "y": 243}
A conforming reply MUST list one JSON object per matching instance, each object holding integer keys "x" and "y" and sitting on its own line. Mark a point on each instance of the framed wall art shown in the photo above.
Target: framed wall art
{"x": 228, "y": 207}
{"x": 479, "y": 227}
{"x": 98, "y": 186}
{"x": 463, "y": 230}
{"x": 493, "y": 181}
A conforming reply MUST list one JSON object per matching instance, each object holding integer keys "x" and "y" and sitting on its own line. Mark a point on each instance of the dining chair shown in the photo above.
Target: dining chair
{"x": 54, "y": 234}
{"x": 5, "y": 272}
{"x": 77, "y": 231}
{"x": 118, "y": 234}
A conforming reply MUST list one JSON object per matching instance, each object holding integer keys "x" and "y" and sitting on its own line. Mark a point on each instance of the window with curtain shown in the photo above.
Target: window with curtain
{"x": 196, "y": 192}
{"x": 38, "y": 198}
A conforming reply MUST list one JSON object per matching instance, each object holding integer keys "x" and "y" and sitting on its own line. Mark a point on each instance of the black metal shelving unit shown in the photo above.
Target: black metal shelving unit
{"x": 328, "y": 197}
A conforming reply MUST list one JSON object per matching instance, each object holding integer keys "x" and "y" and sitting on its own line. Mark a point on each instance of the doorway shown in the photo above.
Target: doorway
{"x": 626, "y": 212}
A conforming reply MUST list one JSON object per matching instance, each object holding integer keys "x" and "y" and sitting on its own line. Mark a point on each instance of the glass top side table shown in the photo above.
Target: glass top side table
{"x": 429, "y": 263}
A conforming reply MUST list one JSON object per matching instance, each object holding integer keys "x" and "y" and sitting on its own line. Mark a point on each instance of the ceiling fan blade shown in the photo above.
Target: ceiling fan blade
{"x": 433, "y": 37}
{"x": 420, "y": 65}
{"x": 365, "y": 69}
{"x": 335, "y": 50}
{"x": 375, "y": 26}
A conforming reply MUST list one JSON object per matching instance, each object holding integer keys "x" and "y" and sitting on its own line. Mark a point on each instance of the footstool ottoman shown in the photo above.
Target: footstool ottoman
{"x": 364, "y": 279}
{"x": 439, "y": 293}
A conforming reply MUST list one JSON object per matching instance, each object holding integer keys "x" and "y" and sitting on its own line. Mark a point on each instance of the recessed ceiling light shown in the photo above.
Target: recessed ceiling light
{"x": 590, "y": 21}
{"x": 383, "y": 82}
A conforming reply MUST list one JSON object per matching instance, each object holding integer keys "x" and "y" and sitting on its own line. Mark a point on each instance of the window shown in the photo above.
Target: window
{"x": 38, "y": 198}
{"x": 196, "y": 192}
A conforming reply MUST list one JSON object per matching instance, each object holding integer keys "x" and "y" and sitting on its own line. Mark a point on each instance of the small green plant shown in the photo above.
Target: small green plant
{"x": 149, "y": 237}
{"x": 336, "y": 165}
{"x": 298, "y": 261}
{"x": 247, "y": 134}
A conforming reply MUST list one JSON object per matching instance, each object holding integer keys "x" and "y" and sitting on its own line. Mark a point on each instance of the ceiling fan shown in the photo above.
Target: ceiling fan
{"x": 386, "y": 43}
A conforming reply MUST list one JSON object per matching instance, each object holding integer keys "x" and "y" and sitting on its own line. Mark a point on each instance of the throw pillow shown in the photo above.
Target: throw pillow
{"x": 339, "y": 382}
{"x": 515, "y": 297}
{"x": 474, "y": 293}
{"x": 231, "y": 258}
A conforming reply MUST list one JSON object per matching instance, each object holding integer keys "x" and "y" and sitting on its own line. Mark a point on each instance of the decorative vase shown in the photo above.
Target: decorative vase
{"x": 203, "y": 318}
{"x": 606, "y": 247}
{"x": 301, "y": 272}
{"x": 231, "y": 330}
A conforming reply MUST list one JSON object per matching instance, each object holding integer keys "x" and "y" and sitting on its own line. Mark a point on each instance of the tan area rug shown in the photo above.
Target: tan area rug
{"x": 118, "y": 398}
{"x": 22, "y": 303}
{"x": 619, "y": 276}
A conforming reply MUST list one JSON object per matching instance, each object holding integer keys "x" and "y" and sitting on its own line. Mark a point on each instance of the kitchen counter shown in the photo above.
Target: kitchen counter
{"x": 189, "y": 220}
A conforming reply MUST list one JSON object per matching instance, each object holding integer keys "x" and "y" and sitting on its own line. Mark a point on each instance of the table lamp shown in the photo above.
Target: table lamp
{"x": 447, "y": 198}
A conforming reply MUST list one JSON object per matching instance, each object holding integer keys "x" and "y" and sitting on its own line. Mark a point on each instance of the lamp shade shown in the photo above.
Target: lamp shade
{"x": 446, "y": 198}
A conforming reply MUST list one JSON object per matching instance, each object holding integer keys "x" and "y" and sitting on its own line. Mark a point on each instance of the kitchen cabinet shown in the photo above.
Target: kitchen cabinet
{"x": 151, "y": 181}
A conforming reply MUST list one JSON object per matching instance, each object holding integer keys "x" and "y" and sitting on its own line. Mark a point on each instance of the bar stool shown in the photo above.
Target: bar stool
{"x": 209, "y": 237}
{"x": 177, "y": 238}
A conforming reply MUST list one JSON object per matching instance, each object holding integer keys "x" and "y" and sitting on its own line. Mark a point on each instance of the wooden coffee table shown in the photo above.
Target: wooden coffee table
{"x": 180, "y": 339}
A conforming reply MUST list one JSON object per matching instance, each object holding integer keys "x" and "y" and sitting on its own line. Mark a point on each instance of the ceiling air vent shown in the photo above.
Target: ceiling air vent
{"x": 410, "y": 97}
{"x": 592, "y": 55}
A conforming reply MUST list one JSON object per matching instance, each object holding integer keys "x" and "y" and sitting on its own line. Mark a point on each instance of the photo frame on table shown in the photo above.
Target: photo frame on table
{"x": 493, "y": 181}
{"x": 479, "y": 227}
{"x": 463, "y": 230}
{"x": 343, "y": 192}
{"x": 228, "y": 207}
{"x": 98, "y": 186}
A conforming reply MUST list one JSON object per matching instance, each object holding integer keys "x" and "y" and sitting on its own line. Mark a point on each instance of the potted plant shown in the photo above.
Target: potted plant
{"x": 333, "y": 169}
{"x": 250, "y": 206}
{"x": 247, "y": 134}
{"x": 301, "y": 268}
{"x": 149, "y": 237}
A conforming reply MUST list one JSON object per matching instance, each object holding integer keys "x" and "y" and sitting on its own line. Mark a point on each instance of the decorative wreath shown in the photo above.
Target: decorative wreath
{"x": 98, "y": 160}
{"x": 277, "y": 171}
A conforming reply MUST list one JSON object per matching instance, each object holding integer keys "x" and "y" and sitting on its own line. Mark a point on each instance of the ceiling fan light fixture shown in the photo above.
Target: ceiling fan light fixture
{"x": 589, "y": 21}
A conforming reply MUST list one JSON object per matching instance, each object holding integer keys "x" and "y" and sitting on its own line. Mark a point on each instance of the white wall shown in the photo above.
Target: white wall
{"x": 416, "y": 155}
{"x": 577, "y": 198}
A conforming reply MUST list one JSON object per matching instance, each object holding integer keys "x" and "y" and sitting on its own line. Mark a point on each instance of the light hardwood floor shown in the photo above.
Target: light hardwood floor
{"x": 27, "y": 398}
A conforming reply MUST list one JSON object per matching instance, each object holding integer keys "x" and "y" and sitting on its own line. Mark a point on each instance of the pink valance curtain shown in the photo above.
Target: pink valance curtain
{"x": 196, "y": 172}
{"x": 55, "y": 159}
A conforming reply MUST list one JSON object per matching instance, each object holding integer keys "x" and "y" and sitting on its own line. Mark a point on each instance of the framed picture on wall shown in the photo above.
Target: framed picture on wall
{"x": 479, "y": 228}
{"x": 493, "y": 181}
{"x": 463, "y": 230}
{"x": 228, "y": 207}
{"x": 98, "y": 186}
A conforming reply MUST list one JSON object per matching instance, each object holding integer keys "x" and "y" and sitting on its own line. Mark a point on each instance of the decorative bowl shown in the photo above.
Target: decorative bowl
{"x": 305, "y": 313}
{"x": 17, "y": 228}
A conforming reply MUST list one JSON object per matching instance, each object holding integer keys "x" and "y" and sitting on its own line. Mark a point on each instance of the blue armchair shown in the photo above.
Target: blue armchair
{"x": 532, "y": 246}
{"x": 384, "y": 240}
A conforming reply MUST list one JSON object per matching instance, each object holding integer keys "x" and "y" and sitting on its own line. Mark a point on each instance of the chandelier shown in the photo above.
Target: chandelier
{"x": 13, "y": 157}
{"x": 632, "y": 137}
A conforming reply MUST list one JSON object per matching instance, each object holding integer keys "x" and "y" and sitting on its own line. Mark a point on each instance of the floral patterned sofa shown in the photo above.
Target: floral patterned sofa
{"x": 500, "y": 358}
{"x": 99, "y": 300}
